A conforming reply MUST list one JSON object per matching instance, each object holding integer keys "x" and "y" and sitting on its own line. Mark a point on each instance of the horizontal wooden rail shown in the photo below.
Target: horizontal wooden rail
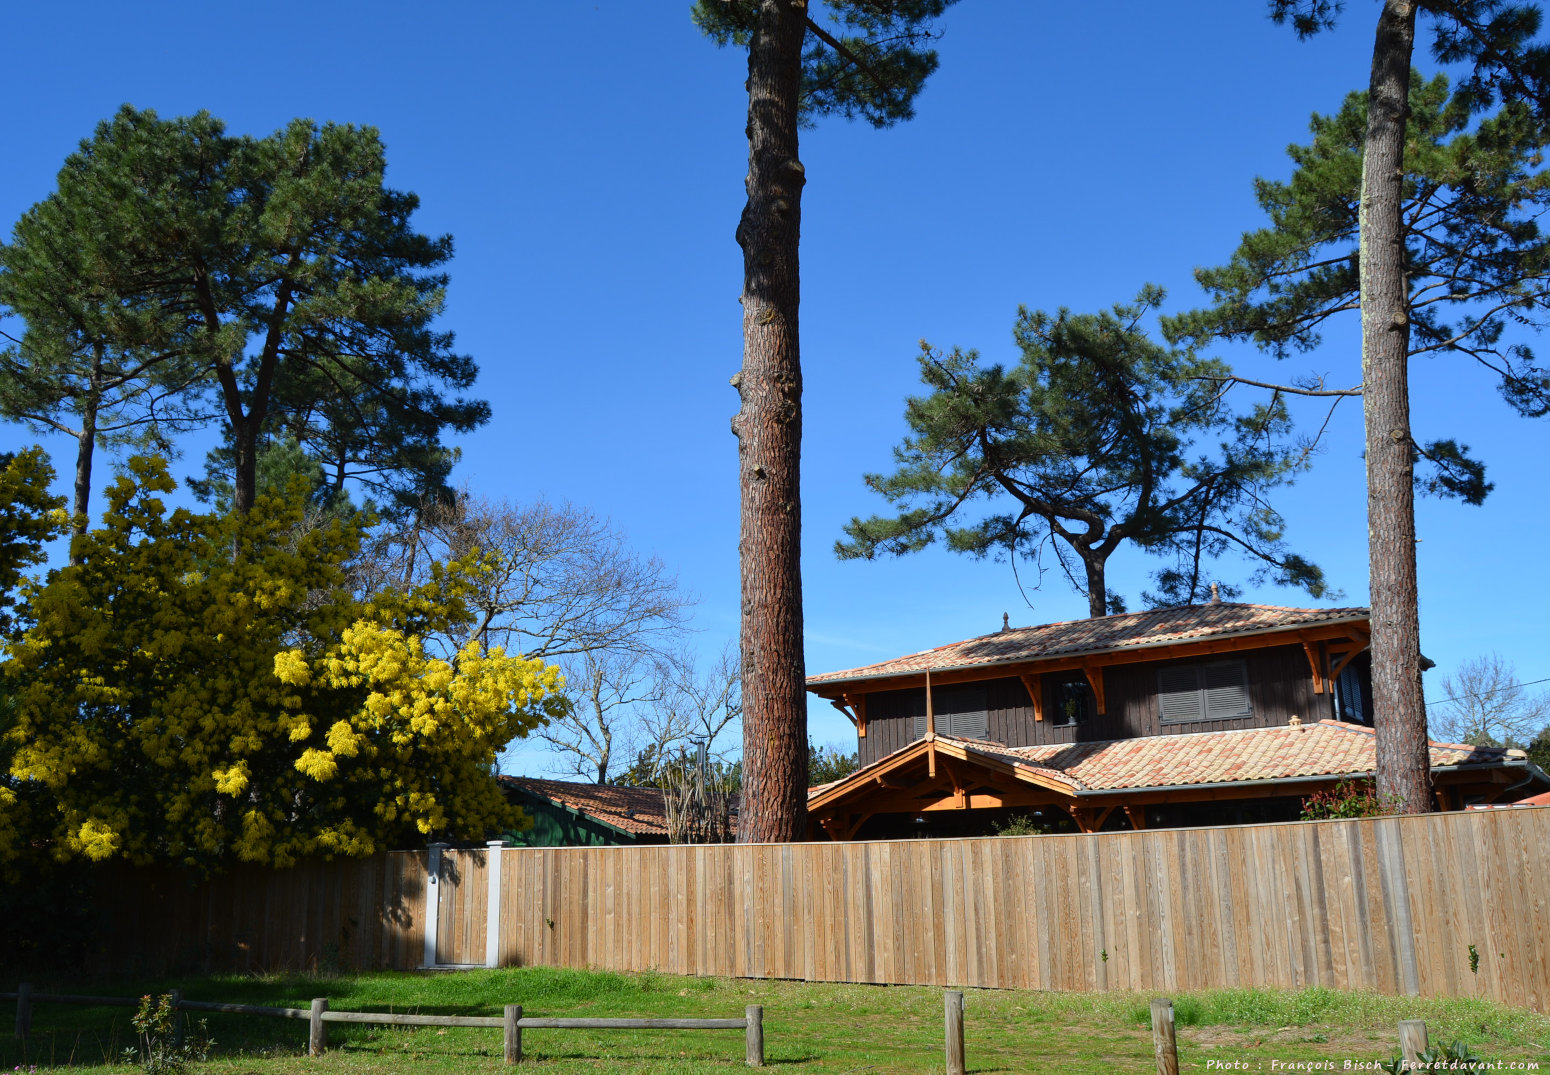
{"x": 512, "y": 1023}
{"x": 396, "y": 1019}
{"x": 243, "y": 1009}
{"x": 544, "y": 1023}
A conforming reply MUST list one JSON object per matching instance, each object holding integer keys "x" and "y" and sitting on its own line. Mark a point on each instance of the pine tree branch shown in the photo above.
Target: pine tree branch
{"x": 1232, "y": 379}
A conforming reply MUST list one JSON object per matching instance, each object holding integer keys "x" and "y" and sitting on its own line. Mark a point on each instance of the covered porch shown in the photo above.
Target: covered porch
{"x": 947, "y": 785}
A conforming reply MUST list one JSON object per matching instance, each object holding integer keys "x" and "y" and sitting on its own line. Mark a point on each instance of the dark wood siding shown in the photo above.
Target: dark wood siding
{"x": 1280, "y": 686}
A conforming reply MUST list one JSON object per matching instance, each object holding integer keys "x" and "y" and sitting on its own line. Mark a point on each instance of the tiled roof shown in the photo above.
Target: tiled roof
{"x": 636, "y": 810}
{"x": 1328, "y": 748}
{"x": 1129, "y": 630}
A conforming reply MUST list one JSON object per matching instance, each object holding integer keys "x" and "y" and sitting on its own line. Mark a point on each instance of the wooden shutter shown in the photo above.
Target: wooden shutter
{"x": 1178, "y": 692}
{"x": 962, "y": 711}
{"x": 1226, "y": 689}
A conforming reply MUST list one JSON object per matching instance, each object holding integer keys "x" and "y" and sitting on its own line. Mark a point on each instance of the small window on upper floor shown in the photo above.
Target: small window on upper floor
{"x": 1070, "y": 700}
{"x": 1216, "y": 691}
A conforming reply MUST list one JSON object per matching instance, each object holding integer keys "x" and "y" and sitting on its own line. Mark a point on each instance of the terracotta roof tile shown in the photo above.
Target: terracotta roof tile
{"x": 1130, "y": 630}
{"x": 636, "y": 810}
{"x": 1328, "y": 748}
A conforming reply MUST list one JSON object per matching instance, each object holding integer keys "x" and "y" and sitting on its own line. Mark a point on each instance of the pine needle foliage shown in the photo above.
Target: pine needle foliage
{"x": 1098, "y": 438}
{"x": 1477, "y": 261}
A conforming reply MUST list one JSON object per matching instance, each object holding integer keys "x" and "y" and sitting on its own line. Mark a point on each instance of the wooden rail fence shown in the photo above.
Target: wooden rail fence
{"x": 318, "y": 1015}
{"x": 1440, "y": 904}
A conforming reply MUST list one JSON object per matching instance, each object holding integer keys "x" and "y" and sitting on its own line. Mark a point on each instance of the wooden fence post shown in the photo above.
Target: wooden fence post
{"x": 1164, "y": 1043}
{"x": 23, "y": 1011}
{"x": 954, "y": 1012}
{"x": 177, "y": 1018}
{"x": 1412, "y": 1040}
{"x": 513, "y": 1033}
{"x": 317, "y": 1031}
{"x": 755, "y": 1014}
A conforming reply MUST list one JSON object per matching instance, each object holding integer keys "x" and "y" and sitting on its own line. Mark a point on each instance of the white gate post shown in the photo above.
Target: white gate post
{"x": 492, "y": 906}
{"x": 432, "y": 903}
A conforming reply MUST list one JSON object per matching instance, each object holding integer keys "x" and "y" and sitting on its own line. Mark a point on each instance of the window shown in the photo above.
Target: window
{"x": 1070, "y": 700}
{"x": 1218, "y": 691}
{"x": 1351, "y": 698}
{"x": 957, "y": 710}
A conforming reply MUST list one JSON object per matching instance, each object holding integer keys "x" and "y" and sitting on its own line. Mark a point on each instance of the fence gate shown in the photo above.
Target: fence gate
{"x": 462, "y": 913}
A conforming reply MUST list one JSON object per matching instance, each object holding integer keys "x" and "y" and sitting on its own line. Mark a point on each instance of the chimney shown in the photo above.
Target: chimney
{"x": 1216, "y": 595}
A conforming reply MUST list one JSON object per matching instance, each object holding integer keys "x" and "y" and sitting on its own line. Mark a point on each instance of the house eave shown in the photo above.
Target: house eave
{"x": 1104, "y": 654}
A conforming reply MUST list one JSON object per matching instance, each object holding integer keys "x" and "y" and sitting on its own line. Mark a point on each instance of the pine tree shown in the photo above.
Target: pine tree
{"x": 1494, "y": 40}
{"x": 871, "y": 65}
{"x": 102, "y": 359}
{"x": 1094, "y": 439}
{"x": 287, "y": 273}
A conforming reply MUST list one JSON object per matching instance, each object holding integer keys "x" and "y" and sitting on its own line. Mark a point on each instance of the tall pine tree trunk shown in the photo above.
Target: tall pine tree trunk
{"x": 1097, "y": 584}
{"x": 769, "y": 439}
{"x": 86, "y": 448}
{"x": 244, "y": 443}
{"x": 1403, "y": 763}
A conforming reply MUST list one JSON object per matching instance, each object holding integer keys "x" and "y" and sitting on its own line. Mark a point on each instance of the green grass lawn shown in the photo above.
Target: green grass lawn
{"x": 808, "y": 1027}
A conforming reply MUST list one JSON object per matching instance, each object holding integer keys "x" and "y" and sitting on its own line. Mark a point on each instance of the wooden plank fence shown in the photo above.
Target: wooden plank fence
{"x": 1395, "y": 905}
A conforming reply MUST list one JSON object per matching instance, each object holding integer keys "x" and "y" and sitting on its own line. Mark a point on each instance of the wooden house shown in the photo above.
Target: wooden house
{"x": 1197, "y": 714}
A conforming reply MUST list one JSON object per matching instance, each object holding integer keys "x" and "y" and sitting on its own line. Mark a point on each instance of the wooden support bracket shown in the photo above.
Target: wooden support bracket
{"x": 1313, "y": 663}
{"x": 1035, "y": 688}
{"x": 1094, "y": 676}
{"x": 1334, "y": 673}
{"x": 1137, "y": 816}
{"x": 854, "y": 708}
{"x": 1090, "y": 818}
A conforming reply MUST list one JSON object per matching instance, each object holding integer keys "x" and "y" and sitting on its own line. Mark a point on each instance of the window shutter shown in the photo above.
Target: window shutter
{"x": 1178, "y": 691}
{"x": 1226, "y": 689}
{"x": 920, "y": 720}
{"x": 962, "y": 711}
{"x": 1349, "y": 691}
{"x": 974, "y": 725}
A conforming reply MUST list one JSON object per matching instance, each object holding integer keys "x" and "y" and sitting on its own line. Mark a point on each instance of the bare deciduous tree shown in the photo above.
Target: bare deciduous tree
{"x": 556, "y": 580}
{"x": 607, "y": 690}
{"x": 699, "y": 707}
{"x": 1484, "y": 703}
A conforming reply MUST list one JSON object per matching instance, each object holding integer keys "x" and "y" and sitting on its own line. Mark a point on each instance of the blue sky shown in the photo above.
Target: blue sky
{"x": 588, "y": 160}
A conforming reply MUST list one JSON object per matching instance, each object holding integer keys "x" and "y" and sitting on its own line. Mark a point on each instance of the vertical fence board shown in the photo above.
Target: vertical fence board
{"x": 1389, "y": 904}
